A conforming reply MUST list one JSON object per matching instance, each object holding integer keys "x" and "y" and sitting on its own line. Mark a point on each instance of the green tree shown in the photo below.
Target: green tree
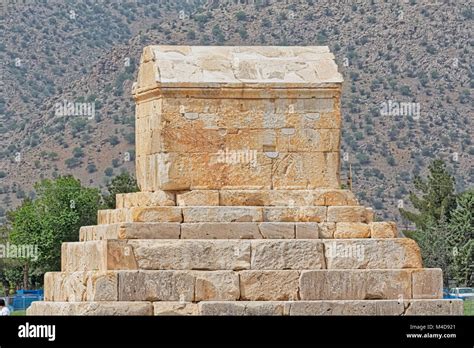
{"x": 461, "y": 239}
{"x": 123, "y": 183}
{"x": 62, "y": 206}
{"x": 437, "y": 199}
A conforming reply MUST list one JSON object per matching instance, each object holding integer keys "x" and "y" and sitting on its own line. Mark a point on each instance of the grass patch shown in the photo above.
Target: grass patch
{"x": 469, "y": 307}
{"x": 18, "y": 313}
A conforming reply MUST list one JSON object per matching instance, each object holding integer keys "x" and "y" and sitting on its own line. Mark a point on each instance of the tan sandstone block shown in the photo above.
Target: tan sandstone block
{"x": 156, "y": 286}
{"x": 369, "y": 215}
{"x": 222, "y": 214}
{"x": 435, "y": 307}
{"x": 99, "y": 308}
{"x": 149, "y": 230}
{"x": 287, "y": 254}
{"x": 220, "y": 230}
{"x": 305, "y": 170}
{"x": 216, "y": 286}
{"x": 327, "y": 230}
{"x": 192, "y": 254}
{"x": 80, "y": 286}
{"x": 175, "y": 308}
{"x": 427, "y": 283}
{"x": 307, "y": 230}
{"x": 277, "y": 230}
{"x": 383, "y": 229}
{"x": 372, "y": 253}
{"x": 296, "y": 214}
{"x": 269, "y": 285}
{"x": 145, "y": 199}
{"x": 355, "y": 284}
{"x": 198, "y": 198}
{"x": 352, "y": 230}
{"x": 346, "y": 214}
{"x": 272, "y": 197}
{"x": 339, "y": 197}
{"x": 240, "y": 308}
{"x": 335, "y": 307}
{"x": 156, "y": 214}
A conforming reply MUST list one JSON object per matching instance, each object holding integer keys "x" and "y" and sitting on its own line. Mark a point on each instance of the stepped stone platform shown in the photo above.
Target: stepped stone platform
{"x": 241, "y": 210}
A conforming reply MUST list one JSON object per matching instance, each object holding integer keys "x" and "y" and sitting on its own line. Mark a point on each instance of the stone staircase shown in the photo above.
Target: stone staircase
{"x": 242, "y": 252}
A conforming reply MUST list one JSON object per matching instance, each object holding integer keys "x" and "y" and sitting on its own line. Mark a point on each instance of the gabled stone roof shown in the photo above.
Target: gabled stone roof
{"x": 237, "y": 66}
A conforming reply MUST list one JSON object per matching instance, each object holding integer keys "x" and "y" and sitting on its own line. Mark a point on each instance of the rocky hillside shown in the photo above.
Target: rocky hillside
{"x": 407, "y": 97}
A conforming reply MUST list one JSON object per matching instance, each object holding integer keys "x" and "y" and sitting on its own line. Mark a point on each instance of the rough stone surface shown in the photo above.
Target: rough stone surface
{"x": 222, "y": 214}
{"x": 198, "y": 197}
{"x": 287, "y": 254}
{"x": 384, "y": 229}
{"x": 346, "y": 214}
{"x": 217, "y": 286}
{"x": 156, "y": 286}
{"x": 370, "y": 253}
{"x": 192, "y": 254}
{"x": 145, "y": 199}
{"x": 307, "y": 230}
{"x": 220, "y": 230}
{"x": 131, "y": 230}
{"x": 297, "y": 214}
{"x": 175, "y": 308}
{"x": 355, "y": 284}
{"x": 261, "y": 308}
{"x": 351, "y": 230}
{"x": 277, "y": 230}
{"x": 101, "y": 308}
{"x": 427, "y": 283}
{"x": 269, "y": 285}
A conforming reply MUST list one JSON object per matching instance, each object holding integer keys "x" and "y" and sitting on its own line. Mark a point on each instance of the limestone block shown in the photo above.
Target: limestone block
{"x": 175, "y": 308}
{"x": 222, "y": 214}
{"x": 383, "y": 229}
{"x": 372, "y": 253}
{"x": 327, "y": 230}
{"x": 355, "y": 284}
{"x": 272, "y": 197}
{"x": 369, "y": 215}
{"x": 435, "y": 307}
{"x": 339, "y": 197}
{"x": 287, "y": 254}
{"x": 99, "y": 232}
{"x": 337, "y": 307}
{"x": 307, "y": 230}
{"x": 149, "y": 230}
{"x": 220, "y": 230}
{"x": 156, "y": 286}
{"x": 84, "y": 256}
{"x": 239, "y": 308}
{"x": 269, "y": 285}
{"x": 245, "y": 169}
{"x": 352, "y": 230}
{"x": 80, "y": 286}
{"x": 198, "y": 197}
{"x": 296, "y": 214}
{"x": 427, "y": 283}
{"x": 305, "y": 170}
{"x": 192, "y": 254}
{"x": 112, "y": 216}
{"x": 216, "y": 286}
{"x": 101, "y": 308}
{"x": 145, "y": 199}
{"x": 346, "y": 214}
{"x": 156, "y": 214}
{"x": 277, "y": 230}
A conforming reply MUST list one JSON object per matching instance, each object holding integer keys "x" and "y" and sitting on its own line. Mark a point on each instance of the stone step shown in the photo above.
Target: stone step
{"x": 246, "y": 285}
{"x": 207, "y": 254}
{"x": 236, "y": 214}
{"x": 317, "y": 197}
{"x": 238, "y": 230}
{"x": 251, "y": 308}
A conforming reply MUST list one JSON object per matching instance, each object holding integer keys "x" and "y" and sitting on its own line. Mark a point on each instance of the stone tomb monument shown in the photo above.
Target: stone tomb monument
{"x": 240, "y": 210}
